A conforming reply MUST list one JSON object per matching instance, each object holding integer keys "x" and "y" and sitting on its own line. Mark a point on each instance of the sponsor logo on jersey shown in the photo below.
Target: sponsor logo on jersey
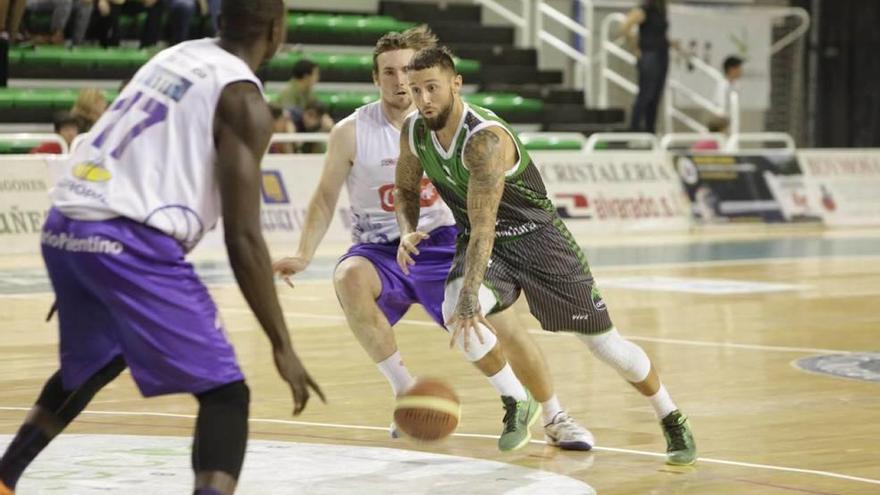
{"x": 429, "y": 195}
{"x": 91, "y": 172}
{"x": 167, "y": 83}
{"x": 274, "y": 192}
{"x": 388, "y": 162}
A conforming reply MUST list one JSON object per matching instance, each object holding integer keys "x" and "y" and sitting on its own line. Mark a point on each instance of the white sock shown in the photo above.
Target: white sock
{"x": 662, "y": 403}
{"x": 506, "y": 383}
{"x": 396, "y": 373}
{"x": 551, "y": 408}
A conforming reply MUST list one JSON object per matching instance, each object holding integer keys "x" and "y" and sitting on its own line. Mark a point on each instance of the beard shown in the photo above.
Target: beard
{"x": 439, "y": 122}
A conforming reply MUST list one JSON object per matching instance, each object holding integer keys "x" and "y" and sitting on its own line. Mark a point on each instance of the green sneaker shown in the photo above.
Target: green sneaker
{"x": 518, "y": 417}
{"x": 681, "y": 450}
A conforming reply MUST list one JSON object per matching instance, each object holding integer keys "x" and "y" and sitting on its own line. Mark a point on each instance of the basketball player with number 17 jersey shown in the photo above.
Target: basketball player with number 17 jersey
{"x": 180, "y": 146}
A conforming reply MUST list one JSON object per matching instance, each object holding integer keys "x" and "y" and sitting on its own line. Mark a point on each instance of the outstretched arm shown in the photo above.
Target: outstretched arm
{"x": 337, "y": 166}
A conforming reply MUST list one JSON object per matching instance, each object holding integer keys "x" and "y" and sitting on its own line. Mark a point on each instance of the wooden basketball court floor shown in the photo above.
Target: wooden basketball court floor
{"x": 724, "y": 314}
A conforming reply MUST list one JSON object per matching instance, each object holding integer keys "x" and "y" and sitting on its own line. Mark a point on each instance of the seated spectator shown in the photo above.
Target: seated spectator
{"x": 181, "y": 13}
{"x": 11, "y": 12}
{"x": 80, "y": 18}
{"x": 283, "y": 125}
{"x": 59, "y": 10}
{"x": 89, "y": 106}
{"x": 67, "y": 127}
{"x": 106, "y": 26}
{"x": 718, "y": 125}
{"x": 299, "y": 91}
{"x": 72, "y": 15}
{"x": 314, "y": 118}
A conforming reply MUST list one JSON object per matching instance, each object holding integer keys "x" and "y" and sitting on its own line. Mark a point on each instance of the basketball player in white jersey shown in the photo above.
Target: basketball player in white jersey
{"x": 180, "y": 146}
{"x": 374, "y": 291}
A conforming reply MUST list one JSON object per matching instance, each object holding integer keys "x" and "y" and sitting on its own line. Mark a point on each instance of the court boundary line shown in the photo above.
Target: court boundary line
{"x": 769, "y": 467}
{"x": 537, "y": 331}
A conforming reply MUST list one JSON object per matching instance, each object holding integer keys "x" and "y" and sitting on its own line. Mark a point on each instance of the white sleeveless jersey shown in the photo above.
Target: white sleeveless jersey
{"x": 151, "y": 156}
{"x": 370, "y": 181}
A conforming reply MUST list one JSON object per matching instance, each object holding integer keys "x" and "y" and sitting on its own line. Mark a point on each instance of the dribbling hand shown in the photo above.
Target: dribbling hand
{"x": 294, "y": 373}
{"x": 468, "y": 317}
{"x": 407, "y": 249}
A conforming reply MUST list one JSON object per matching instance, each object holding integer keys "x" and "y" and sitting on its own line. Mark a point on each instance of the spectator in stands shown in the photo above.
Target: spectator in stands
{"x": 718, "y": 125}
{"x": 313, "y": 118}
{"x": 283, "y": 125}
{"x": 65, "y": 126}
{"x": 181, "y": 13}
{"x": 90, "y": 105}
{"x": 298, "y": 92}
{"x": 733, "y": 71}
{"x": 106, "y": 26}
{"x": 11, "y": 12}
{"x": 653, "y": 54}
{"x": 59, "y": 10}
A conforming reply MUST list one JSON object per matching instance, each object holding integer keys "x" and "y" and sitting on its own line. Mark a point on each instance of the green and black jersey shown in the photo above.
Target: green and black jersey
{"x": 524, "y": 206}
{"x": 542, "y": 258}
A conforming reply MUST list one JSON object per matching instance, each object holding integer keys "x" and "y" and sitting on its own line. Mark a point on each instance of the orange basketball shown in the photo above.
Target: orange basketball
{"x": 428, "y": 411}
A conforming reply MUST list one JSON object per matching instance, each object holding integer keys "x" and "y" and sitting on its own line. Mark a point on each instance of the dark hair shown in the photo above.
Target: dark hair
{"x": 315, "y": 106}
{"x": 438, "y": 56}
{"x": 415, "y": 38}
{"x": 732, "y": 62}
{"x": 718, "y": 124}
{"x": 247, "y": 20}
{"x": 303, "y": 68}
{"x": 63, "y": 118}
{"x": 660, "y": 4}
{"x": 276, "y": 111}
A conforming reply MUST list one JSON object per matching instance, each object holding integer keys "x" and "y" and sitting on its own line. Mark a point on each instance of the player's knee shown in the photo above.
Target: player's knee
{"x": 235, "y": 396}
{"x": 477, "y": 350}
{"x": 627, "y": 358}
{"x": 450, "y": 298}
{"x": 352, "y": 277}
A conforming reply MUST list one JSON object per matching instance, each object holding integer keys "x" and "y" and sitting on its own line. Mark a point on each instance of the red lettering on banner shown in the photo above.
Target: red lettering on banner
{"x": 429, "y": 195}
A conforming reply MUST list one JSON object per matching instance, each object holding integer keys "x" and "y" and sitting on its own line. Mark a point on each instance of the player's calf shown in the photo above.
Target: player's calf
{"x": 54, "y": 410}
{"x": 220, "y": 438}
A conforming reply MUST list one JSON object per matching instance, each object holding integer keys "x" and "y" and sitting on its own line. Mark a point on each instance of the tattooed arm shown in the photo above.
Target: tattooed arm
{"x": 407, "y": 197}
{"x": 489, "y": 154}
{"x": 407, "y": 182}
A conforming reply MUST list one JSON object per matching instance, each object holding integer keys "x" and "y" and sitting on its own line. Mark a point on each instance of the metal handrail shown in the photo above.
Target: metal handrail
{"x": 671, "y": 139}
{"x": 791, "y": 37}
{"x": 522, "y": 22}
{"x": 583, "y": 74}
{"x": 620, "y": 137}
{"x": 299, "y": 137}
{"x": 733, "y": 143}
{"x": 36, "y": 136}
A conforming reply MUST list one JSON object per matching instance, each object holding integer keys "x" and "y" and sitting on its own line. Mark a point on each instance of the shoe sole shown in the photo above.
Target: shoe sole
{"x": 528, "y": 437}
{"x": 577, "y": 446}
{"x": 673, "y": 463}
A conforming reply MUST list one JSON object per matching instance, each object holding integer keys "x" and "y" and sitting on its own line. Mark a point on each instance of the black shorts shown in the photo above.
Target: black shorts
{"x": 550, "y": 267}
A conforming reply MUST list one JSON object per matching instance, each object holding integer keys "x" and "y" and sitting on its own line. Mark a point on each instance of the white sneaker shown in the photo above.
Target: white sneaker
{"x": 566, "y": 434}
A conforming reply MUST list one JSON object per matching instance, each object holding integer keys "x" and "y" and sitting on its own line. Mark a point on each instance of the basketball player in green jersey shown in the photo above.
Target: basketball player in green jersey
{"x": 510, "y": 238}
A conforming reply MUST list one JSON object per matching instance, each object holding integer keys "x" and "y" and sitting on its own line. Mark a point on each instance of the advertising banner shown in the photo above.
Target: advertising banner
{"x": 745, "y": 188}
{"x": 614, "y": 192}
{"x": 844, "y": 185}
